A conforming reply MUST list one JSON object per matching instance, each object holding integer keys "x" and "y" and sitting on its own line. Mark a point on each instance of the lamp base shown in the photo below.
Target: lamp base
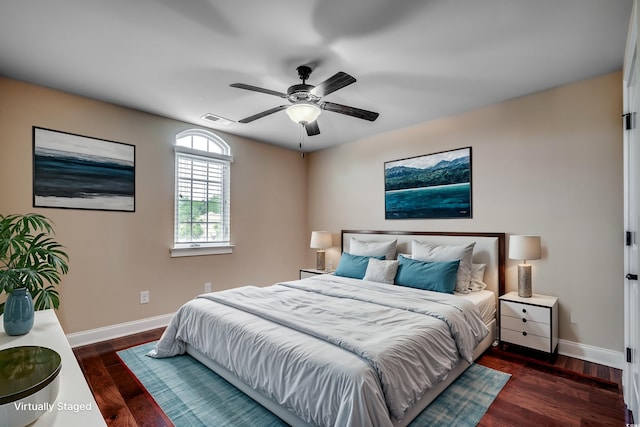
{"x": 320, "y": 260}
{"x": 524, "y": 281}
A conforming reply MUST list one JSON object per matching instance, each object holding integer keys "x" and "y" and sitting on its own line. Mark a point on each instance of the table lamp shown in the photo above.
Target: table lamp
{"x": 320, "y": 240}
{"x": 524, "y": 248}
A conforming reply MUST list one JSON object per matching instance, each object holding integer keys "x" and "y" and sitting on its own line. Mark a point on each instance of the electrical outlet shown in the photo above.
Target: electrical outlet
{"x": 573, "y": 317}
{"x": 207, "y": 287}
{"x": 144, "y": 297}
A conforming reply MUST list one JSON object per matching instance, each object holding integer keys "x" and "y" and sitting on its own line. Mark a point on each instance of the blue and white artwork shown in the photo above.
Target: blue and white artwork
{"x": 78, "y": 172}
{"x": 433, "y": 186}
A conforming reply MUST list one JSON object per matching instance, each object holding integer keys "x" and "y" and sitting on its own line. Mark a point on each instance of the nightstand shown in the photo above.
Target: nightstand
{"x": 308, "y": 272}
{"x": 529, "y": 322}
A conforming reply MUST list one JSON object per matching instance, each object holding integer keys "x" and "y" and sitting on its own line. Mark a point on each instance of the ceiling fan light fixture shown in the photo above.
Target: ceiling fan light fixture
{"x": 303, "y": 112}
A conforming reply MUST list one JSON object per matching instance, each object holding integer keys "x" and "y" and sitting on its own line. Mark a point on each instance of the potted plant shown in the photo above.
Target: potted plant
{"x": 31, "y": 264}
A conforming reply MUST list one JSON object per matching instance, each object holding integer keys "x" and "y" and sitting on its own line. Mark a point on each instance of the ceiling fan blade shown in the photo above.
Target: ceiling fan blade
{"x": 258, "y": 89}
{"x": 262, "y": 114}
{"x": 312, "y": 128}
{"x": 349, "y": 111}
{"x": 333, "y": 83}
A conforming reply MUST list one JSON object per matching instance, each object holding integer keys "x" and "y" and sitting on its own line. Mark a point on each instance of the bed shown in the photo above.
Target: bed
{"x": 311, "y": 352}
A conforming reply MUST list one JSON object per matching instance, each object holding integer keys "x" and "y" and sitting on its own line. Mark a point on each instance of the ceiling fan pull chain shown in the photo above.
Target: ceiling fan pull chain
{"x": 301, "y": 140}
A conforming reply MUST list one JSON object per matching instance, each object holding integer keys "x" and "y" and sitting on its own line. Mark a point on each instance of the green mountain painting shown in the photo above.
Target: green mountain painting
{"x": 433, "y": 186}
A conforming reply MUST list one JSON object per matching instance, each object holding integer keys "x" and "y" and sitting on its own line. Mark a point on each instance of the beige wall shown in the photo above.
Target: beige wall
{"x": 548, "y": 164}
{"x": 115, "y": 255}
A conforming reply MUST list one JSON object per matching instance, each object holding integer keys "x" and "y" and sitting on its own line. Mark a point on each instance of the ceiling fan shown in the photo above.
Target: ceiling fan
{"x": 306, "y": 100}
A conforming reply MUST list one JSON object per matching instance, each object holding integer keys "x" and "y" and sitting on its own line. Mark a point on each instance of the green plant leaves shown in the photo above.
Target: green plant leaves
{"x": 31, "y": 258}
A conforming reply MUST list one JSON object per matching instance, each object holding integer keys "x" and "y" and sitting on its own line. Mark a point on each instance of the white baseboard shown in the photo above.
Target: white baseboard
{"x": 91, "y": 336}
{"x": 602, "y": 356}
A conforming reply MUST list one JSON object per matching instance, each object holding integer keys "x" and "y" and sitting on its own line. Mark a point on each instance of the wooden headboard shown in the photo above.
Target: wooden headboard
{"x": 489, "y": 248}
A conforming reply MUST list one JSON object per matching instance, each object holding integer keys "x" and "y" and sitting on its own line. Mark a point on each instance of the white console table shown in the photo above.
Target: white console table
{"x": 75, "y": 405}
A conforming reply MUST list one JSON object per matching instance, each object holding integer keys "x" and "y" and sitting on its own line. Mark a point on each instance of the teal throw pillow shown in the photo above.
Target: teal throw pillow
{"x": 354, "y": 266}
{"x": 430, "y": 276}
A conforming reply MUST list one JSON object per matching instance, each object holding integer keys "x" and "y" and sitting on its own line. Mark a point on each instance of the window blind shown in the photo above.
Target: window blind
{"x": 202, "y": 200}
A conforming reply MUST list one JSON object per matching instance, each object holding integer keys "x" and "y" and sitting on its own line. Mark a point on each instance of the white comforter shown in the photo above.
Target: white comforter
{"x": 335, "y": 351}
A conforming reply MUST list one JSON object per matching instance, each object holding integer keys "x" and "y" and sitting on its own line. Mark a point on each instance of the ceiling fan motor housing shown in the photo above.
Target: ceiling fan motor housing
{"x": 301, "y": 92}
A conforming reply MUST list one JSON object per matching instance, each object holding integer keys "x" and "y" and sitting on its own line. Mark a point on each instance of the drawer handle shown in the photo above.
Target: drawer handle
{"x": 524, "y": 320}
{"x": 524, "y": 310}
{"x": 524, "y": 334}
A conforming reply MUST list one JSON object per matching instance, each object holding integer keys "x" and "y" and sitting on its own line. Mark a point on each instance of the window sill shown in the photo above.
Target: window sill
{"x": 201, "y": 250}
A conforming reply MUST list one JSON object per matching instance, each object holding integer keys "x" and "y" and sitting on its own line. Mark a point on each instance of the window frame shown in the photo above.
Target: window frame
{"x": 203, "y": 248}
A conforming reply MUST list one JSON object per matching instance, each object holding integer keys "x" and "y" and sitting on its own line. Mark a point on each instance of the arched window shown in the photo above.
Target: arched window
{"x": 202, "y": 173}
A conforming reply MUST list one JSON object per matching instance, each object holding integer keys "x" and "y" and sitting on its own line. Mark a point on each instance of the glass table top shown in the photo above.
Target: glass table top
{"x": 26, "y": 370}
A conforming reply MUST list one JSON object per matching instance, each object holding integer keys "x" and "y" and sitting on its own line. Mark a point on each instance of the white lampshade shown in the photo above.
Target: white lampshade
{"x": 524, "y": 247}
{"x": 303, "y": 112}
{"x": 321, "y": 240}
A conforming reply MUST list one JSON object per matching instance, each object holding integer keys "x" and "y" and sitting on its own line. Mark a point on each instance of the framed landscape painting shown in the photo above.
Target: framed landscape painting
{"x": 78, "y": 172}
{"x": 433, "y": 186}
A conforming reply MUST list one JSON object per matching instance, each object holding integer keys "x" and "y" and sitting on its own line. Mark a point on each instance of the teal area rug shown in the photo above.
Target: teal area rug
{"x": 192, "y": 395}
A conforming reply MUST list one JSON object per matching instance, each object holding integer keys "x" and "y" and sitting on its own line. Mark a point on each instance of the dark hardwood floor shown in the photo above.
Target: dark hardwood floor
{"x": 559, "y": 392}
{"x": 122, "y": 400}
{"x": 562, "y": 391}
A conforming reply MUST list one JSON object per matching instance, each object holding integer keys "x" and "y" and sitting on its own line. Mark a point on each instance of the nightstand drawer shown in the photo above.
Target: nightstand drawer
{"x": 524, "y": 311}
{"x": 531, "y": 341}
{"x": 530, "y": 327}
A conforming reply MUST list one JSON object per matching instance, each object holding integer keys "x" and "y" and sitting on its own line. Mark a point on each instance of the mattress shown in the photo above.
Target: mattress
{"x": 485, "y": 301}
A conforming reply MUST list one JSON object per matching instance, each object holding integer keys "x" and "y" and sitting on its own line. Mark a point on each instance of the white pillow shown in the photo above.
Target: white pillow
{"x": 382, "y": 271}
{"x": 429, "y": 251}
{"x": 477, "y": 286}
{"x": 373, "y": 248}
{"x": 477, "y": 272}
{"x": 477, "y": 277}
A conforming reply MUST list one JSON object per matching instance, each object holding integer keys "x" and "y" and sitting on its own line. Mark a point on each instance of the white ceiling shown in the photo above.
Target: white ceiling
{"x": 414, "y": 60}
